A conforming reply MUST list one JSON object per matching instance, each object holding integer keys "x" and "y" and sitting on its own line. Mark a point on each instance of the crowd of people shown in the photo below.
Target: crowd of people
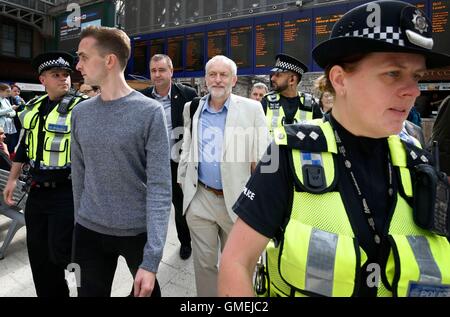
{"x": 312, "y": 192}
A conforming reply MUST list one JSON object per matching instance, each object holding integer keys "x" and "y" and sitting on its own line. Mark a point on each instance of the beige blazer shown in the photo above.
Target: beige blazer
{"x": 246, "y": 138}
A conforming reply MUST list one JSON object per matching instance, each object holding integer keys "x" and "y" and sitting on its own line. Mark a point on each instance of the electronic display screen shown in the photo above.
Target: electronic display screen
{"x": 175, "y": 51}
{"x": 194, "y": 51}
{"x": 156, "y": 47}
{"x": 441, "y": 26}
{"x": 297, "y": 39}
{"x": 324, "y": 25}
{"x": 267, "y": 43}
{"x": 140, "y": 58}
{"x": 241, "y": 46}
{"x": 217, "y": 43}
{"x": 254, "y": 43}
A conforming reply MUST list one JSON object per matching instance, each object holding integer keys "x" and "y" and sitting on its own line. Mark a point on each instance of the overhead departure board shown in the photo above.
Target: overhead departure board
{"x": 324, "y": 25}
{"x": 253, "y": 42}
{"x": 156, "y": 47}
{"x": 175, "y": 51}
{"x": 267, "y": 43}
{"x": 241, "y": 46}
{"x": 217, "y": 43}
{"x": 194, "y": 51}
{"x": 297, "y": 39}
{"x": 441, "y": 26}
{"x": 140, "y": 58}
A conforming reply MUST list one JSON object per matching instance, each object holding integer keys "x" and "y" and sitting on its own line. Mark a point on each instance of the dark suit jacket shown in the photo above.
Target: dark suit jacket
{"x": 180, "y": 94}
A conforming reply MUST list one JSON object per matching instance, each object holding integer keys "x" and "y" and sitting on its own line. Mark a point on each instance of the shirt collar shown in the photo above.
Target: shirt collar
{"x": 156, "y": 95}
{"x": 206, "y": 106}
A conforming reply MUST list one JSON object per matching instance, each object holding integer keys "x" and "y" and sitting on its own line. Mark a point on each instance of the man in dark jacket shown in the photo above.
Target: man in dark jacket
{"x": 173, "y": 97}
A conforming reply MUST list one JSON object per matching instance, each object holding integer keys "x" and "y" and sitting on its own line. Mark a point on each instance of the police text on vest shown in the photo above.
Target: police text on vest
{"x": 249, "y": 193}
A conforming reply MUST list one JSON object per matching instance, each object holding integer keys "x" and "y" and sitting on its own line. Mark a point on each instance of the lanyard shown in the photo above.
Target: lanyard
{"x": 366, "y": 210}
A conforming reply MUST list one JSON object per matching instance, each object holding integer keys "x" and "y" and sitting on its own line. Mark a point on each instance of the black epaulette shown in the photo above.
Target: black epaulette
{"x": 312, "y": 147}
{"x": 32, "y": 102}
{"x": 308, "y": 100}
{"x": 66, "y": 103}
{"x": 415, "y": 155}
{"x": 304, "y": 136}
{"x": 273, "y": 100}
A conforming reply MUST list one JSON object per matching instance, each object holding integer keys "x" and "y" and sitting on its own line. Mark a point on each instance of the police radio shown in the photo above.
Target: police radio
{"x": 431, "y": 202}
{"x": 66, "y": 102}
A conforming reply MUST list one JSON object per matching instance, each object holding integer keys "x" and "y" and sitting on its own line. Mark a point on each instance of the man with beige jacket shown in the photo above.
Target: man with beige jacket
{"x": 230, "y": 136}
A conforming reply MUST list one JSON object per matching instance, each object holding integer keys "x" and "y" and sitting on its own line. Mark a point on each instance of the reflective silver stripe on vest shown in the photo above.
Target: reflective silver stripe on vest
{"x": 320, "y": 262}
{"x": 303, "y": 115}
{"x": 308, "y": 101}
{"x": 56, "y": 143}
{"x": 429, "y": 270}
{"x": 275, "y": 115}
{"x": 22, "y": 115}
{"x": 44, "y": 167}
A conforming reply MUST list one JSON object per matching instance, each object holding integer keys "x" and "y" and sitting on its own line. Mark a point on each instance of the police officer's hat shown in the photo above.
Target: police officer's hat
{"x": 380, "y": 26}
{"x": 286, "y": 63}
{"x": 46, "y": 61}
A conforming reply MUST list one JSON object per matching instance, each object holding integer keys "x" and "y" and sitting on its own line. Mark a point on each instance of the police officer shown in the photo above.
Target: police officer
{"x": 49, "y": 212}
{"x": 340, "y": 206}
{"x": 284, "y": 104}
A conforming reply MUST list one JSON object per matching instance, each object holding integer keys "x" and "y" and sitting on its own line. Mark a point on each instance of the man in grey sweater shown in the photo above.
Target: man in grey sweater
{"x": 120, "y": 170}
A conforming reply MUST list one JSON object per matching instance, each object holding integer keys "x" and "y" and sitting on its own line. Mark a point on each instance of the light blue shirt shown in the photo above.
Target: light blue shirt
{"x": 212, "y": 129}
{"x": 167, "y": 105}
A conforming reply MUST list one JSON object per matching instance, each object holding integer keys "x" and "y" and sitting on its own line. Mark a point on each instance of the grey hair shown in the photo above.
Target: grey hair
{"x": 260, "y": 86}
{"x": 158, "y": 57}
{"x": 225, "y": 60}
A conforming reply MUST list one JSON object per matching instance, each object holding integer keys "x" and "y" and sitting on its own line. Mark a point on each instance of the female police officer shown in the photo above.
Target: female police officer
{"x": 338, "y": 208}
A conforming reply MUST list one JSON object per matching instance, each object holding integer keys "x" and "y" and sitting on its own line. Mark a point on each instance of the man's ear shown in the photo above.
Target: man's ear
{"x": 42, "y": 79}
{"x": 234, "y": 81}
{"x": 111, "y": 60}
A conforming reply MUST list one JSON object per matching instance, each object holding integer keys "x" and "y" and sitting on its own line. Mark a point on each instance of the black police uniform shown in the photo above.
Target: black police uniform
{"x": 290, "y": 105}
{"x": 49, "y": 211}
{"x": 259, "y": 214}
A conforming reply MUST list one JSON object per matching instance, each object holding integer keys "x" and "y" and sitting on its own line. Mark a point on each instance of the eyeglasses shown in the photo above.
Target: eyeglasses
{"x": 86, "y": 91}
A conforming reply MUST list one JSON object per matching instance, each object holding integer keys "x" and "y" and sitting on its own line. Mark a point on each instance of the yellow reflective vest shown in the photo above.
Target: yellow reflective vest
{"x": 275, "y": 115}
{"x": 319, "y": 253}
{"x": 57, "y": 127}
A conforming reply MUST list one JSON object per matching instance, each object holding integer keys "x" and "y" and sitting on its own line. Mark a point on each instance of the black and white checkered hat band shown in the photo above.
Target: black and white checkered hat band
{"x": 289, "y": 66}
{"x": 60, "y": 62}
{"x": 388, "y": 34}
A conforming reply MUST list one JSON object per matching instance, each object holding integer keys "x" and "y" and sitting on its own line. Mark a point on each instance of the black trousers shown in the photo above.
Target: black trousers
{"x": 177, "y": 199}
{"x": 97, "y": 255}
{"x": 49, "y": 221}
{"x": 12, "y": 140}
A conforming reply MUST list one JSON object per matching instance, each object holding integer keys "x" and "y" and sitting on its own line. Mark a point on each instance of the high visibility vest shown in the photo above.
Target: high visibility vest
{"x": 57, "y": 128}
{"x": 275, "y": 115}
{"x": 319, "y": 253}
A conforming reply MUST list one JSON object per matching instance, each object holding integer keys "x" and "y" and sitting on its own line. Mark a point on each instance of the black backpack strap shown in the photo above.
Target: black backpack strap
{"x": 193, "y": 108}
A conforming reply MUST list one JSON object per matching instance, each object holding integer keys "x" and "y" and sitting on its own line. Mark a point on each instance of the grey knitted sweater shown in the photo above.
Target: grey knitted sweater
{"x": 121, "y": 170}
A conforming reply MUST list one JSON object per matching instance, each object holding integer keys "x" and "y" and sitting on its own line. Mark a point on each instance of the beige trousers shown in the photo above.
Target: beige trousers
{"x": 209, "y": 225}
